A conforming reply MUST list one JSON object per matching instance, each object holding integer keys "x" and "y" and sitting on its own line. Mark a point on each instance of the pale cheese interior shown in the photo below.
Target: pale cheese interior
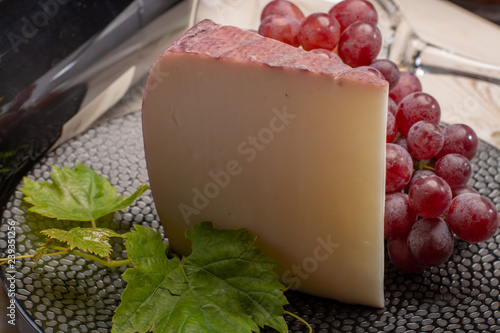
{"x": 294, "y": 157}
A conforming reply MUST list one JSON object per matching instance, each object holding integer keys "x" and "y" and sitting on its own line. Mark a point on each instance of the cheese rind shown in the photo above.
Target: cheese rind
{"x": 251, "y": 133}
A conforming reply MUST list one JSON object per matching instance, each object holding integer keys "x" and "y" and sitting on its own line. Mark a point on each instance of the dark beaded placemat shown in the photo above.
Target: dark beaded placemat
{"x": 70, "y": 294}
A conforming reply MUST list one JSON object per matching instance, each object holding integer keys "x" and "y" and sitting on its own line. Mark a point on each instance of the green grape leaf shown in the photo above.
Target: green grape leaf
{"x": 78, "y": 194}
{"x": 93, "y": 240}
{"x": 225, "y": 285}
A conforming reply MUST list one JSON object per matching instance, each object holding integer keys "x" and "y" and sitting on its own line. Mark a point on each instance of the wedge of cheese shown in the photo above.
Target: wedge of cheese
{"x": 247, "y": 132}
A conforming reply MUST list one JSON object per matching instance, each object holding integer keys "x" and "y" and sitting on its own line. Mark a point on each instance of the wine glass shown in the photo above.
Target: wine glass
{"x": 455, "y": 55}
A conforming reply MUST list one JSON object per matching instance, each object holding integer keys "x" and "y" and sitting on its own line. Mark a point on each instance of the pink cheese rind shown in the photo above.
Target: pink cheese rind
{"x": 231, "y": 43}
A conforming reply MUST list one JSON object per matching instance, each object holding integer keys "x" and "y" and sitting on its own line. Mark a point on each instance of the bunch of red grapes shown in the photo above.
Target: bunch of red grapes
{"x": 427, "y": 201}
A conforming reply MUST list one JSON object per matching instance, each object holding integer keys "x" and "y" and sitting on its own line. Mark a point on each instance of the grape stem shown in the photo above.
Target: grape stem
{"x": 289, "y": 286}
{"x": 62, "y": 250}
{"x": 107, "y": 263}
{"x": 294, "y": 315}
{"x": 300, "y": 319}
{"x": 5, "y": 260}
{"x": 422, "y": 165}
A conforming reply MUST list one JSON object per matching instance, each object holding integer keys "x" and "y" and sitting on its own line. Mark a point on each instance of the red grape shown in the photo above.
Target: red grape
{"x": 472, "y": 217}
{"x": 398, "y": 216}
{"x": 425, "y": 140}
{"x": 415, "y": 107}
{"x": 401, "y": 141}
{"x": 281, "y": 27}
{"x": 371, "y": 70}
{"x": 418, "y": 174}
{"x": 430, "y": 241}
{"x": 400, "y": 256}
{"x": 457, "y": 190}
{"x": 454, "y": 168}
{"x": 459, "y": 139}
{"x": 407, "y": 84}
{"x": 399, "y": 167}
{"x": 328, "y": 54}
{"x": 319, "y": 31}
{"x": 392, "y": 129}
{"x": 350, "y": 11}
{"x": 360, "y": 44}
{"x": 429, "y": 196}
{"x": 392, "y": 107}
{"x": 414, "y": 138}
{"x": 282, "y": 7}
{"x": 389, "y": 70}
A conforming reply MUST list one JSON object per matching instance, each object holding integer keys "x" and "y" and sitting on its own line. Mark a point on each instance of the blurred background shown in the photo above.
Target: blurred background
{"x": 488, "y": 9}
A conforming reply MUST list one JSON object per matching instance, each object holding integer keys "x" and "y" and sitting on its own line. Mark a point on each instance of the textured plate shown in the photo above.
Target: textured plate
{"x": 70, "y": 294}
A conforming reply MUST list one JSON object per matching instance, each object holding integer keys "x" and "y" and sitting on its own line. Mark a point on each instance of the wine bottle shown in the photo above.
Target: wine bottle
{"x": 63, "y": 63}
